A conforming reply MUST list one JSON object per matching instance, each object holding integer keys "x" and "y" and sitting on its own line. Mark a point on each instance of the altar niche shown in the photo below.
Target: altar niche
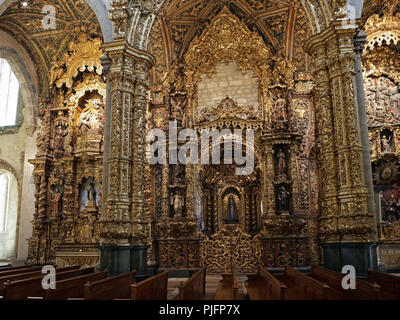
{"x": 229, "y": 200}
{"x": 89, "y": 195}
{"x": 230, "y": 206}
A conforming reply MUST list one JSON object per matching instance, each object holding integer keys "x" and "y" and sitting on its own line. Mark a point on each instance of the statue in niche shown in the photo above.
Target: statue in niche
{"x": 92, "y": 195}
{"x": 386, "y": 144}
{"x": 231, "y": 211}
{"x": 91, "y": 118}
{"x": 391, "y": 211}
{"x": 281, "y": 159}
{"x": 56, "y": 201}
{"x": 177, "y": 111}
{"x": 284, "y": 200}
{"x": 60, "y": 132}
{"x": 88, "y": 195}
{"x": 177, "y": 202}
{"x": 383, "y": 205}
{"x": 280, "y": 107}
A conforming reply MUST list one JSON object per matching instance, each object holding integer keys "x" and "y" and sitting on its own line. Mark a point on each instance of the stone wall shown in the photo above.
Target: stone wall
{"x": 227, "y": 80}
{"x": 16, "y": 149}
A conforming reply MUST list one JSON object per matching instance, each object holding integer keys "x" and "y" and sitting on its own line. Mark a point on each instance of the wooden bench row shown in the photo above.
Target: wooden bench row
{"x": 227, "y": 288}
{"x": 193, "y": 288}
{"x": 320, "y": 284}
{"x": 86, "y": 284}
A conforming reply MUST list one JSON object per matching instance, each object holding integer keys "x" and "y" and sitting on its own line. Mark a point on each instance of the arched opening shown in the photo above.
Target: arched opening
{"x": 9, "y": 92}
{"x": 9, "y": 203}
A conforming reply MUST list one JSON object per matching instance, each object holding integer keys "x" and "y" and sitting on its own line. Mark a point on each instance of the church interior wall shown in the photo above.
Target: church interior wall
{"x": 16, "y": 148}
{"x": 227, "y": 81}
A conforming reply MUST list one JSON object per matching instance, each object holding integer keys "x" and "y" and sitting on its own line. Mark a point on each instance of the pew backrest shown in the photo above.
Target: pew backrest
{"x": 194, "y": 287}
{"x": 154, "y": 288}
{"x": 73, "y": 287}
{"x": 307, "y": 287}
{"x": 118, "y": 287}
{"x": 388, "y": 282}
{"x": 364, "y": 289}
{"x": 28, "y": 275}
{"x": 12, "y": 272}
{"x": 274, "y": 289}
{"x": 23, "y": 289}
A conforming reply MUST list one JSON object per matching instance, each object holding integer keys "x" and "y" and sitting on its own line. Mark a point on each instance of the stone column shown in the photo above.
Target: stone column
{"x": 106, "y": 63}
{"x": 326, "y": 157}
{"x": 124, "y": 225}
{"x": 363, "y": 121}
{"x": 346, "y": 224}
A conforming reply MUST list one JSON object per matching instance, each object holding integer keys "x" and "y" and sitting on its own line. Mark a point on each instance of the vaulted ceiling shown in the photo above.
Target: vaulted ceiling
{"x": 25, "y": 25}
{"x": 281, "y": 23}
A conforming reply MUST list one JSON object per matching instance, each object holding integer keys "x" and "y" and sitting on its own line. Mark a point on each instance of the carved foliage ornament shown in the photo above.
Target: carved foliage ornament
{"x": 228, "y": 39}
{"x": 83, "y": 54}
{"x": 383, "y": 29}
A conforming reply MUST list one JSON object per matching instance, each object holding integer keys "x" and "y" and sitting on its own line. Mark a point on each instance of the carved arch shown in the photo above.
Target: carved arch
{"x": 134, "y": 19}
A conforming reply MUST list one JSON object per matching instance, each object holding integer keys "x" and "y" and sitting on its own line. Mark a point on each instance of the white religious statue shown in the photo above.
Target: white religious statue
{"x": 178, "y": 202}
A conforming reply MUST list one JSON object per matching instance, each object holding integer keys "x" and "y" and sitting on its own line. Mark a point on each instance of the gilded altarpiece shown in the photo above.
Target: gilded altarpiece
{"x": 382, "y": 92}
{"x": 69, "y": 162}
{"x": 269, "y": 216}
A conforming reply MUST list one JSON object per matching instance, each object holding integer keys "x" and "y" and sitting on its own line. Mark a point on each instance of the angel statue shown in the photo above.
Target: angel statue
{"x": 386, "y": 144}
{"x": 177, "y": 111}
{"x": 91, "y": 118}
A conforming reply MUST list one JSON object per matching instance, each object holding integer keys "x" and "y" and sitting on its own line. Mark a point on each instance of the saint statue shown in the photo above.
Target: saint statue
{"x": 281, "y": 157}
{"x": 92, "y": 194}
{"x": 232, "y": 213}
{"x": 386, "y": 147}
{"x": 281, "y": 109}
{"x": 177, "y": 201}
{"x": 56, "y": 202}
{"x": 383, "y": 205}
{"x": 284, "y": 200}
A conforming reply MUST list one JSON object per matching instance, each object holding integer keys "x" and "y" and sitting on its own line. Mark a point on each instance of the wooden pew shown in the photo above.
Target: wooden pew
{"x": 154, "y": 288}
{"x": 265, "y": 286}
{"x": 28, "y": 275}
{"x": 23, "y": 289}
{"x": 73, "y": 287}
{"x": 193, "y": 288}
{"x": 228, "y": 287}
{"x": 5, "y": 268}
{"x": 364, "y": 290}
{"x": 118, "y": 287}
{"x": 18, "y": 271}
{"x": 390, "y": 284}
{"x": 302, "y": 287}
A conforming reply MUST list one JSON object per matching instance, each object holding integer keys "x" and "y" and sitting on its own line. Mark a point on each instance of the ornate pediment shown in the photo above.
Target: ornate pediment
{"x": 83, "y": 54}
{"x": 227, "y": 113}
{"x": 383, "y": 29}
